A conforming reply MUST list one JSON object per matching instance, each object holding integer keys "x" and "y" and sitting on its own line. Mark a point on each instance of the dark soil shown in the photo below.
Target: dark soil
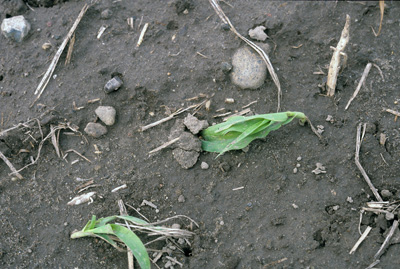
{"x": 298, "y": 220}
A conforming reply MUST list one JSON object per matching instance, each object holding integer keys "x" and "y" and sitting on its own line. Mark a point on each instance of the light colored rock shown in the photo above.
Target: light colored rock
{"x": 181, "y": 199}
{"x": 106, "y": 114}
{"x": 195, "y": 125}
{"x": 95, "y": 129}
{"x": 258, "y": 33}
{"x": 15, "y": 28}
{"x": 249, "y": 70}
{"x": 204, "y": 166}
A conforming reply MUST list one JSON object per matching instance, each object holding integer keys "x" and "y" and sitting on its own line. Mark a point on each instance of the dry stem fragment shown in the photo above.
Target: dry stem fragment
{"x": 10, "y": 165}
{"x": 387, "y": 239}
{"x": 360, "y": 137}
{"x": 70, "y": 49}
{"x": 142, "y": 34}
{"x": 362, "y": 238}
{"x": 52, "y": 67}
{"x": 363, "y": 77}
{"x": 334, "y": 66}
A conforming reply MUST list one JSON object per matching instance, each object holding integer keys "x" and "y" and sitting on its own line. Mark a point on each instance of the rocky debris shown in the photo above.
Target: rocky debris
{"x": 113, "y": 84}
{"x": 14, "y": 7}
{"x": 181, "y": 199}
{"x": 249, "y": 70}
{"x": 15, "y": 28}
{"x": 319, "y": 170}
{"x": 95, "y": 129}
{"x": 187, "y": 149}
{"x": 195, "y": 125}
{"x": 105, "y": 14}
{"x": 258, "y": 33}
{"x": 204, "y": 165}
{"x": 386, "y": 194}
{"x": 183, "y": 6}
{"x": 226, "y": 67}
{"x": 106, "y": 114}
{"x": 185, "y": 158}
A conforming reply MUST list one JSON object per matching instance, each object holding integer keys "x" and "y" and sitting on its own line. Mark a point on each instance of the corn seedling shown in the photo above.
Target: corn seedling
{"x": 238, "y": 131}
{"x": 111, "y": 233}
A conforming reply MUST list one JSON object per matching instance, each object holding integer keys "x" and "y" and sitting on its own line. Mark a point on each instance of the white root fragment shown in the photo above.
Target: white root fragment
{"x": 361, "y": 239}
{"x": 119, "y": 188}
{"x": 363, "y": 77}
{"x": 10, "y": 165}
{"x": 334, "y": 66}
{"x": 87, "y": 197}
{"x": 101, "y": 31}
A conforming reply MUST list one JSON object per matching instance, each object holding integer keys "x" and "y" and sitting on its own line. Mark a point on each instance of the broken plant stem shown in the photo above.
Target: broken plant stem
{"x": 334, "y": 66}
{"x": 363, "y": 77}
{"x": 393, "y": 112}
{"x": 52, "y": 67}
{"x": 261, "y": 52}
{"x": 163, "y": 146}
{"x": 361, "y": 239}
{"x": 10, "y": 165}
{"x": 387, "y": 239}
{"x": 360, "y": 137}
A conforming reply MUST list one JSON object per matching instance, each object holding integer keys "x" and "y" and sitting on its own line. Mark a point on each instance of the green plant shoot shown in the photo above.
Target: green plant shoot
{"x": 102, "y": 229}
{"x": 238, "y": 131}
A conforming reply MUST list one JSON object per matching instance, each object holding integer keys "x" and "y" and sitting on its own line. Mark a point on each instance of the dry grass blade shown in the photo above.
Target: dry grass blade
{"x": 52, "y": 67}
{"x": 382, "y": 9}
{"x": 363, "y": 77}
{"x": 70, "y": 49}
{"x": 360, "y": 138}
{"x": 10, "y": 165}
{"x": 263, "y": 55}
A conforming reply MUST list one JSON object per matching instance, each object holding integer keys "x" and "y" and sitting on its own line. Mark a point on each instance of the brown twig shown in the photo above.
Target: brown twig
{"x": 163, "y": 146}
{"x": 264, "y": 56}
{"x": 70, "y": 49}
{"x": 360, "y": 137}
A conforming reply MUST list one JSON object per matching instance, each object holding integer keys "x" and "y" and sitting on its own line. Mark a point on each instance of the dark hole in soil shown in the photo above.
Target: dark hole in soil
{"x": 187, "y": 251}
{"x": 1, "y": 77}
{"x": 44, "y": 3}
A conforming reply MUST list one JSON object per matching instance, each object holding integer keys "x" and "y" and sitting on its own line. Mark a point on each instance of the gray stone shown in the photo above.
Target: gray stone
{"x": 258, "y": 33}
{"x": 15, "y": 28}
{"x": 106, "y": 114}
{"x": 106, "y": 14}
{"x": 204, "y": 166}
{"x": 186, "y": 159}
{"x": 95, "y": 129}
{"x": 386, "y": 193}
{"x": 195, "y": 125}
{"x": 249, "y": 70}
{"x": 181, "y": 199}
{"x": 113, "y": 84}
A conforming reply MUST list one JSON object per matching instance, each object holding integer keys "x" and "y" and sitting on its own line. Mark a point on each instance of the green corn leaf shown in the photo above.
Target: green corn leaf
{"x": 134, "y": 243}
{"x": 134, "y": 220}
{"x": 239, "y": 131}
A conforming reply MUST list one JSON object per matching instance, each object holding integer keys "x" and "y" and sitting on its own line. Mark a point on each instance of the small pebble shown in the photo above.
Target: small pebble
{"x": 113, "y": 84}
{"x": 46, "y": 46}
{"x": 221, "y": 222}
{"x": 95, "y": 129}
{"x": 226, "y": 67}
{"x": 181, "y": 199}
{"x": 389, "y": 216}
{"x": 106, "y": 14}
{"x": 295, "y": 170}
{"x": 258, "y": 33}
{"x": 299, "y": 158}
{"x": 349, "y": 199}
{"x": 229, "y": 100}
{"x": 298, "y": 165}
{"x": 106, "y": 114}
{"x": 386, "y": 193}
{"x": 204, "y": 165}
{"x": 295, "y": 206}
{"x": 335, "y": 207}
{"x": 176, "y": 226}
{"x": 225, "y": 27}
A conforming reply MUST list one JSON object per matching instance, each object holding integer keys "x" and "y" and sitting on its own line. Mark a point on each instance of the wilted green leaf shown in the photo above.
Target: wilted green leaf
{"x": 237, "y": 132}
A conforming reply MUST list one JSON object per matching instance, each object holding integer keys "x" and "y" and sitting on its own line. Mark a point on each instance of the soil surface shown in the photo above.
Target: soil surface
{"x": 253, "y": 211}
